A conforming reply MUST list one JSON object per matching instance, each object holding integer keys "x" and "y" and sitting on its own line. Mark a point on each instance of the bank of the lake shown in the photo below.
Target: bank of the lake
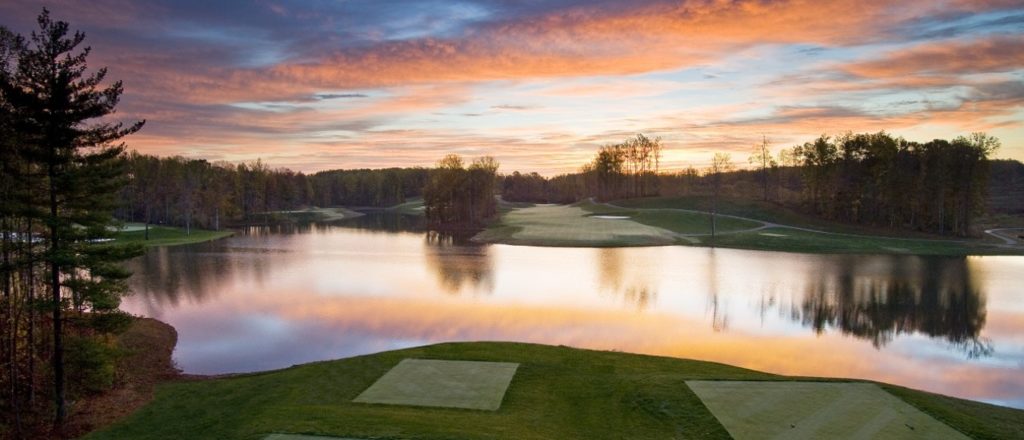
{"x": 135, "y": 233}
{"x": 685, "y": 221}
{"x": 557, "y": 392}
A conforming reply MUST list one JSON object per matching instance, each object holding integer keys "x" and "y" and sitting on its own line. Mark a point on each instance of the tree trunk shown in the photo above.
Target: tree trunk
{"x": 58, "y": 328}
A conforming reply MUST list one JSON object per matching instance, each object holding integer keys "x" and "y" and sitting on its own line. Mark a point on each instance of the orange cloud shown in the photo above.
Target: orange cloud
{"x": 990, "y": 55}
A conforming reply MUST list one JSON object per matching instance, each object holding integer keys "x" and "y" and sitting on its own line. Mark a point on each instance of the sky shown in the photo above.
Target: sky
{"x": 541, "y": 85}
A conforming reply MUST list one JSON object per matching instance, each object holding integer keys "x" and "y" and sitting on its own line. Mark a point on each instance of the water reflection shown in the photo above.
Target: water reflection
{"x": 275, "y": 296}
{"x": 458, "y": 263}
{"x": 633, "y": 288}
{"x": 877, "y": 298}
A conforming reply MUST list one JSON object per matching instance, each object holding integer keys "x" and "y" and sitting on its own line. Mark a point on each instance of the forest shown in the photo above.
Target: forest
{"x": 875, "y": 179}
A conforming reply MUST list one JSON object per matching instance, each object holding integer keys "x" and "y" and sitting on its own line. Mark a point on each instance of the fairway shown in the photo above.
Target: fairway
{"x": 561, "y": 225}
{"x": 449, "y": 384}
{"x": 809, "y": 410}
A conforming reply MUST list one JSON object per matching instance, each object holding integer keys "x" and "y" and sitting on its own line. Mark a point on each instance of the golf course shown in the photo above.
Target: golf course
{"x": 490, "y": 390}
{"x": 135, "y": 233}
{"x": 737, "y": 224}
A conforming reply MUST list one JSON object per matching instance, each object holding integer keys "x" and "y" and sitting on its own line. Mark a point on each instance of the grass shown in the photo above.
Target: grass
{"x": 441, "y": 383}
{"x": 315, "y": 214}
{"x": 754, "y": 209}
{"x": 561, "y": 225}
{"x": 809, "y": 410}
{"x": 557, "y": 392}
{"x": 793, "y": 240}
{"x": 678, "y": 222}
{"x": 413, "y": 206}
{"x": 166, "y": 236}
{"x": 838, "y": 238}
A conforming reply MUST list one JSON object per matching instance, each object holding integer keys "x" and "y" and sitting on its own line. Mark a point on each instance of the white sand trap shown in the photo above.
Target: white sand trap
{"x": 816, "y": 410}
{"x": 611, "y": 217}
{"x": 772, "y": 234}
{"x": 570, "y": 225}
{"x": 450, "y": 384}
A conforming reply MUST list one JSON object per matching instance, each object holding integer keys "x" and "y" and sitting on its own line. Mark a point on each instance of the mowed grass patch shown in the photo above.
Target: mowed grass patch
{"x": 562, "y": 225}
{"x": 558, "y": 392}
{"x": 813, "y": 410}
{"x": 167, "y": 236}
{"x": 688, "y": 223}
{"x": 442, "y": 383}
{"x": 795, "y": 240}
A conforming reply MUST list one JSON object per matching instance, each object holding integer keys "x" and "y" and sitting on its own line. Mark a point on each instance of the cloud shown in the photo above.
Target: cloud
{"x": 947, "y": 57}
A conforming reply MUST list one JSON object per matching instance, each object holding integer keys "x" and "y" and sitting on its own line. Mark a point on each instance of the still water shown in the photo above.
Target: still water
{"x": 270, "y": 298}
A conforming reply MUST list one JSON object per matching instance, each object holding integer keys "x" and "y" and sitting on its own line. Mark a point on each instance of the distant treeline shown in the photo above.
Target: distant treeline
{"x": 195, "y": 192}
{"x": 872, "y": 179}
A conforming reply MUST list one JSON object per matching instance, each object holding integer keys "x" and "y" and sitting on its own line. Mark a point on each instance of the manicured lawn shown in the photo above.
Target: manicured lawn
{"x": 754, "y": 209}
{"x": 675, "y": 221}
{"x": 166, "y": 236}
{"x": 752, "y": 410}
{"x": 316, "y": 214}
{"x": 570, "y": 225}
{"x": 793, "y": 240}
{"x": 413, "y": 206}
{"x": 557, "y": 392}
{"x": 442, "y": 383}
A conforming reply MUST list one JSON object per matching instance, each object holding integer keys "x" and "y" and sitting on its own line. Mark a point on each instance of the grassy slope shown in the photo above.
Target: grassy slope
{"x": 558, "y": 392}
{"x": 845, "y": 238}
{"x": 561, "y": 225}
{"x": 413, "y": 206}
{"x": 167, "y": 236}
{"x": 680, "y": 222}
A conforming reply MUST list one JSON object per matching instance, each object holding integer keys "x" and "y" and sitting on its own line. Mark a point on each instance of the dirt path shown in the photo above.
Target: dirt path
{"x": 1007, "y": 235}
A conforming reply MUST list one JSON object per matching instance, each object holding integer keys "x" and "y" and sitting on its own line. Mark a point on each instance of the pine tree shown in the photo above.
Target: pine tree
{"x": 80, "y": 166}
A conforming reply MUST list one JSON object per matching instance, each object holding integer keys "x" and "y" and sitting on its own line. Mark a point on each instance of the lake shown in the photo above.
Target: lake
{"x": 271, "y": 297}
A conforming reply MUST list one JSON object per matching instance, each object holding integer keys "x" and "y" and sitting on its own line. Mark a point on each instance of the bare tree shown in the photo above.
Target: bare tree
{"x": 720, "y": 163}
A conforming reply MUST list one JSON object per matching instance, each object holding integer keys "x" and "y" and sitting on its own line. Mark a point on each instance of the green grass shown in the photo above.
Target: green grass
{"x": 557, "y": 392}
{"x": 572, "y": 225}
{"x": 442, "y": 383}
{"x": 811, "y": 410}
{"x": 792, "y": 240}
{"x": 167, "y": 236}
{"x": 839, "y": 239}
{"x": 679, "y": 222}
{"x": 754, "y": 209}
{"x": 413, "y": 206}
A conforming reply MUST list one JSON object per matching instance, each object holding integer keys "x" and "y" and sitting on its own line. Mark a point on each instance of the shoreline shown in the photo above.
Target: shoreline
{"x": 590, "y": 224}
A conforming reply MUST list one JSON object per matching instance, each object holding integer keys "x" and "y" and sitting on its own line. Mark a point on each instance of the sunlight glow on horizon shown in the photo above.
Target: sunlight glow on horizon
{"x": 540, "y": 87}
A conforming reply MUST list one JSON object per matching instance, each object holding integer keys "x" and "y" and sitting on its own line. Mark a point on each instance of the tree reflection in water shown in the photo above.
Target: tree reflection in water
{"x": 878, "y": 298}
{"x": 612, "y": 277}
{"x": 459, "y": 263}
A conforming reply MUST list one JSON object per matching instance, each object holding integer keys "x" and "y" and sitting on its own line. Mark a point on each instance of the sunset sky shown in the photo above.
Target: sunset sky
{"x": 541, "y": 85}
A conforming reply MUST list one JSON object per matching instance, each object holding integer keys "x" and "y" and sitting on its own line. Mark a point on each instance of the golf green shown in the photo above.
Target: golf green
{"x": 811, "y": 410}
{"x": 441, "y": 383}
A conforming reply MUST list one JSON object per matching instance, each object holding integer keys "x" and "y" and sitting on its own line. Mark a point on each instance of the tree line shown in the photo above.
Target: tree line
{"x": 875, "y": 179}
{"x": 457, "y": 196}
{"x": 197, "y": 193}
{"x": 61, "y": 166}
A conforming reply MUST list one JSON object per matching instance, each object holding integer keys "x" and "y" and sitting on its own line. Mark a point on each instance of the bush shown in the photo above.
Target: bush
{"x": 89, "y": 362}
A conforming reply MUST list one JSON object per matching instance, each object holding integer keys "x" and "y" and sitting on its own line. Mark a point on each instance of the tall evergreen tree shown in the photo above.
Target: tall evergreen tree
{"x": 56, "y": 105}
